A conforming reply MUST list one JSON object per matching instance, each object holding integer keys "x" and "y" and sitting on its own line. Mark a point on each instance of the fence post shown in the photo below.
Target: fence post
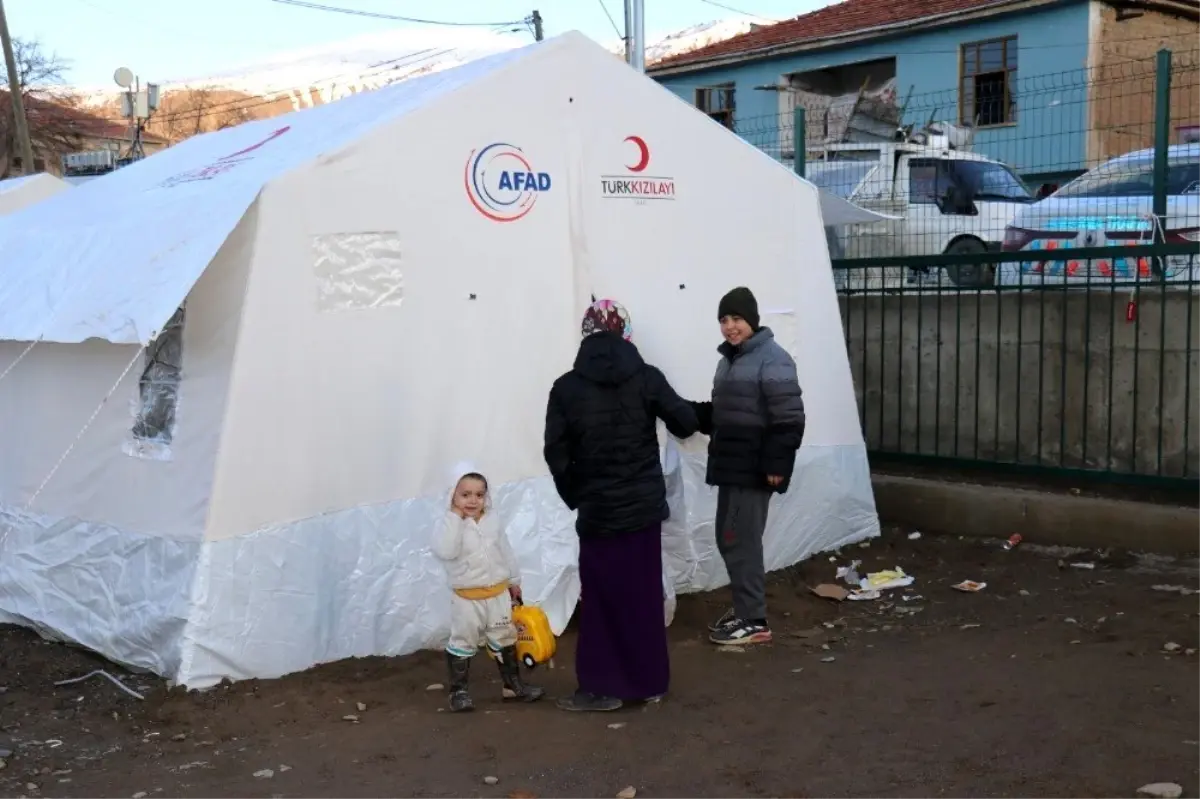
{"x": 799, "y": 141}
{"x": 1162, "y": 137}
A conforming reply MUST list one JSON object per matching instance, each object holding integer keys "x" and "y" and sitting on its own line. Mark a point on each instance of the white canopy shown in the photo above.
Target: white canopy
{"x": 17, "y": 193}
{"x": 376, "y": 289}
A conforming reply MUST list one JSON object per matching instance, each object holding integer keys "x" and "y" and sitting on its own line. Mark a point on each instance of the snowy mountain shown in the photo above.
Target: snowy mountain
{"x": 692, "y": 38}
{"x": 319, "y": 75}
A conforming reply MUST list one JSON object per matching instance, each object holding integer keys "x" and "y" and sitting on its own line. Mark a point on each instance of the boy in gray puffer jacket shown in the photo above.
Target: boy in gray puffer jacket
{"x": 756, "y": 423}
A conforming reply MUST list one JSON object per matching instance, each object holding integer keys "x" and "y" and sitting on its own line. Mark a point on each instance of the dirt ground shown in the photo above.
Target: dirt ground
{"x": 1052, "y": 681}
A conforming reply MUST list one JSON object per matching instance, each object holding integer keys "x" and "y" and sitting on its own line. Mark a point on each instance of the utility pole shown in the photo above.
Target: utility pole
{"x": 629, "y": 31}
{"x": 536, "y": 18}
{"x": 14, "y": 91}
{"x": 635, "y": 34}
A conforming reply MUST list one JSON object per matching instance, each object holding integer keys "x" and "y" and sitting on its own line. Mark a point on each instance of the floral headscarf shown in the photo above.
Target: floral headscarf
{"x": 610, "y": 316}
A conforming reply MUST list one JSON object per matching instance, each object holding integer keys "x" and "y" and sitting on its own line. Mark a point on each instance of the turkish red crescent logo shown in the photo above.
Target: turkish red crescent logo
{"x": 643, "y": 154}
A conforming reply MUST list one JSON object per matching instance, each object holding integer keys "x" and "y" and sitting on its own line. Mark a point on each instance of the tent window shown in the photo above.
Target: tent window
{"x": 159, "y": 385}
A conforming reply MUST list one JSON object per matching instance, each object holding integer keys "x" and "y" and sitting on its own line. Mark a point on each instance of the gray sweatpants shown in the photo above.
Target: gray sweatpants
{"x": 741, "y": 519}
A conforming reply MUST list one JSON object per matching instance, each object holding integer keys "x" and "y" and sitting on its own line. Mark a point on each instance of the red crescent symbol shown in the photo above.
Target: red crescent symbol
{"x": 644, "y": 154}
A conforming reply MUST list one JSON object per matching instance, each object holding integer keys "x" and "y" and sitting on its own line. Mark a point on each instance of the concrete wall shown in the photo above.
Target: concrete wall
{"x": 1050, "y": 377}
{"x": 1048, "y": 136}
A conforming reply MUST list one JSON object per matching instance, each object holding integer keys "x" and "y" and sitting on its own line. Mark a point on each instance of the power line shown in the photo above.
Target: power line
{"x": 377, "y": 15}
{"x": 611, "y": 21}
{"x": 738, "y": 11}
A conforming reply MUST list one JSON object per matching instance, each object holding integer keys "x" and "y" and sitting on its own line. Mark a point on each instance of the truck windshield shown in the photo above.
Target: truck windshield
{"x": 986, "y": 180}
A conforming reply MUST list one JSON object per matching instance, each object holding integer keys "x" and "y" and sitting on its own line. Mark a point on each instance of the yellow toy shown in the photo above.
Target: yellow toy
{"x": 536, "y": 643}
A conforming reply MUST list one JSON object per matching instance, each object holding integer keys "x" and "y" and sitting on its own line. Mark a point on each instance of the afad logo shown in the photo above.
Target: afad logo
{"x": 222, "y": 164}
{"x": 637, "y": 185}
{"x": 501, "y": 183}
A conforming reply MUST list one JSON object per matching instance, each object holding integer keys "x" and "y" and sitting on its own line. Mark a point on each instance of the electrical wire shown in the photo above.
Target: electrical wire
{"x": 611, "y": 21}
{"x": 738, "y": 11}
{"x": 377, "y": 15}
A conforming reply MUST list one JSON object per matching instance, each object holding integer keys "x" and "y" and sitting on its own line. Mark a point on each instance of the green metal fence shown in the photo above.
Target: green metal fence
{"x": 1062, "y": 339}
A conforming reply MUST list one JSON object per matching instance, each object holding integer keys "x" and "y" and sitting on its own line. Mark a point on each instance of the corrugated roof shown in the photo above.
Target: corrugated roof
{"x": 847, "y": 17}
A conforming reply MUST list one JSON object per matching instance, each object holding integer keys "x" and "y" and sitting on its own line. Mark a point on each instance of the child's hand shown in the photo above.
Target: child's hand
{"x": 514, "y": 591}
{"x": 774, "y": 480}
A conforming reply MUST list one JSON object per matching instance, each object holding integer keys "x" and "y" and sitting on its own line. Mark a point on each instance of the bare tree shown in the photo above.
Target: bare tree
{"x": 189, "y": 112}
{"x": 56, "y": 125}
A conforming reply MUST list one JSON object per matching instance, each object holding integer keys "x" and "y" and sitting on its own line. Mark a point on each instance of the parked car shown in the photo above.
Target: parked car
{"x": 946, "y": 201}
{"x": 1111, "y": 205}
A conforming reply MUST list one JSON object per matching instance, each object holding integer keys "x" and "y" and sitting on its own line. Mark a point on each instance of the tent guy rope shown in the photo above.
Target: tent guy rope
{"x": 78, "y": 436}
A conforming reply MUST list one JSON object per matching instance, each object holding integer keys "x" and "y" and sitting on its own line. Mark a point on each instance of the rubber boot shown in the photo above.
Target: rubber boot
{"x": 515, "y": 690}
{"x": 459, "y": 669}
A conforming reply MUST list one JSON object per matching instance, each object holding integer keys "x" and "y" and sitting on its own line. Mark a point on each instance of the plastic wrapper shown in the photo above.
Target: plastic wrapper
{"x": 363, "y": 581}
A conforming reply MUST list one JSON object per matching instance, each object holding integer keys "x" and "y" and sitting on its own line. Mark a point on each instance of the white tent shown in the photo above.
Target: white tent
{"x": 375, "y": 289}
{"x": 16, "y": 193}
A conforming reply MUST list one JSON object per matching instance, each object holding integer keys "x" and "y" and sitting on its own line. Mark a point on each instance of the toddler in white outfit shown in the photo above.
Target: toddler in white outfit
{"x": 486, "y": 579}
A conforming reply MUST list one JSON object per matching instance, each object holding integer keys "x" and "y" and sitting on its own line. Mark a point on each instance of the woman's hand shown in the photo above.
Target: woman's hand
{"x": 774, "y": 480}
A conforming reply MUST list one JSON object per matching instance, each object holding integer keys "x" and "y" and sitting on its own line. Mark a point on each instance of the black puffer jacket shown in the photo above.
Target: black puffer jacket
{"x": 756, "y": 417}
{"x": 601, "y": 444}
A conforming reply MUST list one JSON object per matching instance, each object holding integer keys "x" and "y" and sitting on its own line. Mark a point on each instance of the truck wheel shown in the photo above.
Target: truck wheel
{"x": 970, "y": 276}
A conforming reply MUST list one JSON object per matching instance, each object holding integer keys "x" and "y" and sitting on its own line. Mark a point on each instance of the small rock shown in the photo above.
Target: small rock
{"x": 361, "y": 706}
{"x": 264, "y": 774}
{"x": 829, "y": 659}
{"x": 1170, "y": 646}
{"x": 913, "y": 536}
{"x": 1077, "y": 641}
{"x": 825, "y": 647}
{"x": 437, "y": 686}
{"x": 1070, "y": 620}
{"x": 797, "y": 671}
{"x": 140, "y": 795}
{"x": 179, "y": 737}
{"x": 969, "y": 626}
{"x": 284, "y": 768}
{"x": 1189, "y": 651}
{"x": 489, "y": 780}
{"x": 3, "y": 764}
{"x": 31, "y": 786}
{"x": 350, "y": 717}
{"x": 1023, "y": 592}
{"x": 628, "y": 793}
{"x": 1161, "y": 790}
{"x": 5, "y": 752}
{"x": 616, "y": 725}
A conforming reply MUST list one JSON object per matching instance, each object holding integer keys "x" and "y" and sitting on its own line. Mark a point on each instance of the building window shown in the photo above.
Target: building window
{"x": 987, "y": 83}
{"x": 717, "y": 102}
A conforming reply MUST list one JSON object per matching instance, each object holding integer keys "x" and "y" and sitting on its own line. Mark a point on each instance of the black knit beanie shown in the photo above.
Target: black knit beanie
{"x": 740, "y": 302}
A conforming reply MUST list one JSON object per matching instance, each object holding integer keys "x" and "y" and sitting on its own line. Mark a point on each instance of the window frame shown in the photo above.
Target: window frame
{"x": 724, "y": 116}
{"x": 1008, "y": 44}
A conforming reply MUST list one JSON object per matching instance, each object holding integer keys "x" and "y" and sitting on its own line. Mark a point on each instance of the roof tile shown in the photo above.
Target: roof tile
{"x": 840, "y": 18}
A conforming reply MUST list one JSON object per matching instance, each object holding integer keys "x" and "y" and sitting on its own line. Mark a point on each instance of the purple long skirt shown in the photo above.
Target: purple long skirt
{"x": 622, "y": 650}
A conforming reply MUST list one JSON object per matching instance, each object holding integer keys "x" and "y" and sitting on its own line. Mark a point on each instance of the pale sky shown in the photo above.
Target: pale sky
{"x": 170, "y": 40}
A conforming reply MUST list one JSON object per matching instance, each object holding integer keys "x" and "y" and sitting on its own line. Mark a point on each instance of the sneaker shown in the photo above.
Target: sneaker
{"x": 741, "y": 633}
{"x": 583, "y": 702}
{"x": 726, "y": 619}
